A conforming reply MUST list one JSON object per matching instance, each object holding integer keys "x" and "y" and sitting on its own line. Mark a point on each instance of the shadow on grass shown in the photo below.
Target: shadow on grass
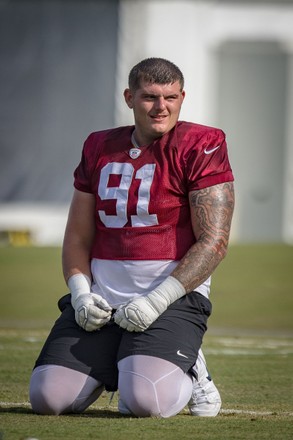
{"x": 91, "y": 413}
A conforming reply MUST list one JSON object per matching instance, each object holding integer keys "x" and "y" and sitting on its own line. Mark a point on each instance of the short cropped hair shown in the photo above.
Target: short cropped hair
{"x": 154, "y": 71}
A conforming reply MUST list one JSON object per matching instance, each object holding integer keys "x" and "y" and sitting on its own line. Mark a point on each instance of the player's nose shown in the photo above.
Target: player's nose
{"x": 160, "y": 103}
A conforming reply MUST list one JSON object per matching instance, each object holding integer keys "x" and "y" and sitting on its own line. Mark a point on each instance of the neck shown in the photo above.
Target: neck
{"x": 134, "y": 141}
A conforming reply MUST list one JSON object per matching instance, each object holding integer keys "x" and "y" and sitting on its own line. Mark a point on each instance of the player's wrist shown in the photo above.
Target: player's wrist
{"x": 78, "y": 284}
{"x": 166, "y": 293}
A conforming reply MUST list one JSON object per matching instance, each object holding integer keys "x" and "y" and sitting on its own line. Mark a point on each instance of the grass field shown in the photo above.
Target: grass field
{"x": 249, "y": 349}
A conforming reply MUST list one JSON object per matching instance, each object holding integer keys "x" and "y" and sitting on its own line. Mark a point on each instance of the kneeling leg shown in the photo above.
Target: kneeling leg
{"x": 58, "y": 390}
{"x": 151, "y": 386}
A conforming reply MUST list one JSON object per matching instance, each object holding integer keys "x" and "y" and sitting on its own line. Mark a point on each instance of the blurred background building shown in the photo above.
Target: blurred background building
{"x": 63, "y": 68}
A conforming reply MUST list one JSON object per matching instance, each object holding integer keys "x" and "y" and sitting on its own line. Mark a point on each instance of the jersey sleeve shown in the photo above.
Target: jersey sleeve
{"x": 208, "y": 163}
{"x": 83, "y": 172}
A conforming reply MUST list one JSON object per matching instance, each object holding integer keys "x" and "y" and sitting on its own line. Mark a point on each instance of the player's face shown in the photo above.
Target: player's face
{"x": 156, "y": 109}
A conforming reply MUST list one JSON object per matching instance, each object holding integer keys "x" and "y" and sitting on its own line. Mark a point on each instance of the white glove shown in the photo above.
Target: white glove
{"x": 91, "y": 310}
{"x": 138, "y": 314}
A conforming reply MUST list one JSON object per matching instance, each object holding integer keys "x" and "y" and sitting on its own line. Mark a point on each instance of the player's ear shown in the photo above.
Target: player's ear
{"x": 128, "y": 96}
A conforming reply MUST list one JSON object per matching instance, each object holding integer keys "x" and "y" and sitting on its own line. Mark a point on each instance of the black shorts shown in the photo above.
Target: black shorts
{"x": 175, "y": 336}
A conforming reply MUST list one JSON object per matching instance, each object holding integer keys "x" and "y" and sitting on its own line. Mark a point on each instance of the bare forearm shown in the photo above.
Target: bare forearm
{"x": 75, "y": 259}
{"x": 212, "y": 211}
{"x": 197, "y": 265}
{"x": 79, "y": 235}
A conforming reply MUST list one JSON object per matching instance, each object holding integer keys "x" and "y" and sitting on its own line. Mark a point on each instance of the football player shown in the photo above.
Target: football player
{"x": 148, "y": 224}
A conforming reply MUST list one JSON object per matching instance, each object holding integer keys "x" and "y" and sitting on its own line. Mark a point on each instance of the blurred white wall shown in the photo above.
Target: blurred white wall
{"x": 194, "y": 34}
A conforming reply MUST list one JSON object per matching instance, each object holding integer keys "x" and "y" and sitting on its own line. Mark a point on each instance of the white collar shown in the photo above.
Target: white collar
{"x": 133, "y": 141}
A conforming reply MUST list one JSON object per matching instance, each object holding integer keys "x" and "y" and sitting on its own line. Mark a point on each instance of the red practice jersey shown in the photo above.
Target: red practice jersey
{"x": 142, "y": 207}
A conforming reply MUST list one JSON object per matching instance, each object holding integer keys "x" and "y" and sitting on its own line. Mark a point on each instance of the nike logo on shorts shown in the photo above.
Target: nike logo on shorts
{"x": 181, "y": 354}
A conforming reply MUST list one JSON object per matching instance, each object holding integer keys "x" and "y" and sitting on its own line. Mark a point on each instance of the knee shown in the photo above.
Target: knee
{"x": 140, "y": 405}
{"x": 44, "y": 403}
{"x": 147, "y": 391}
{"x": 44, "y": 397}
{"x": 148, "y": 400}
{"x": 43, "y": 400}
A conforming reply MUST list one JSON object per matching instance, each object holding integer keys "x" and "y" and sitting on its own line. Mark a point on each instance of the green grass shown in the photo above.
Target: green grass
{"x": 249, "y": 348}
{"x": 252, "y": 289}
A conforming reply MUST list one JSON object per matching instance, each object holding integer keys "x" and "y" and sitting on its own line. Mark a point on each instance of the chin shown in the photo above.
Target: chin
{"x": 160, "y": 130}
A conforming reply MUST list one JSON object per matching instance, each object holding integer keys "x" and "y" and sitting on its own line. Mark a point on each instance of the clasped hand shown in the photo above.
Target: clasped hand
{"x": 137, "y": 315}
{"x": 91, "y": 311}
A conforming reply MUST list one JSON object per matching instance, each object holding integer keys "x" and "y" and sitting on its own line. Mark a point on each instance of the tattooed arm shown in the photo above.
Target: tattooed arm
{"x": 211, "y": 214}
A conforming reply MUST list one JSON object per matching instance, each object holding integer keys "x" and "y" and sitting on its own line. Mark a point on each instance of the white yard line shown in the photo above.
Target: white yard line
{"x": 223, "y": 411}
{"x": 12, "y": 404}
{"x": 255, "y": 413}
{"x": 246, "y": 352}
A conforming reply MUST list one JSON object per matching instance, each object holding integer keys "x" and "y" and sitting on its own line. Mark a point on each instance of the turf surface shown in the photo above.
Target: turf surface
{"x": 249, "y": 348}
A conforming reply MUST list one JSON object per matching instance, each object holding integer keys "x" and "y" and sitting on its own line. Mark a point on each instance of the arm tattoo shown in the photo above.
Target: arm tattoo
{"x": 211, "y": 212}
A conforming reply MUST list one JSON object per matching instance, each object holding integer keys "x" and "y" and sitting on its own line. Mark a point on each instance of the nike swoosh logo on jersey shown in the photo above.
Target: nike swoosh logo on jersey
{"x": 211, "y": 150}
{"x": 181, "y": 354}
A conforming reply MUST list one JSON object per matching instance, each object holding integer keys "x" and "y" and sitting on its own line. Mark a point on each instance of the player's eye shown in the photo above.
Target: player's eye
{"x": 171, "y": 98}
{"x": 149, "y": 97}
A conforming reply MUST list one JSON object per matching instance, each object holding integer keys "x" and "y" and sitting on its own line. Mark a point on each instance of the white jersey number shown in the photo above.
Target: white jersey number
{"x": 120, "y": 194}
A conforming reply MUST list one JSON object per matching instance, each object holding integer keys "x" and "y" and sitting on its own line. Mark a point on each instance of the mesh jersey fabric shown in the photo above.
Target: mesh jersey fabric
{"x": 142, "y": 206}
